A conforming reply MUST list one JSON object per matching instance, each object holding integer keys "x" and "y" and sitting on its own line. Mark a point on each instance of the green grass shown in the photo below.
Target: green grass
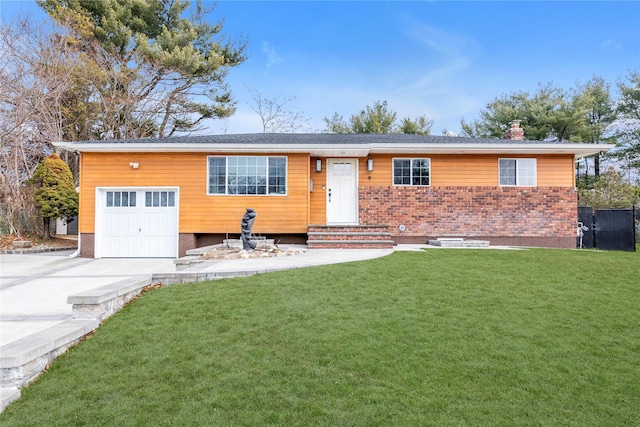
{"x": 441, "y": 337}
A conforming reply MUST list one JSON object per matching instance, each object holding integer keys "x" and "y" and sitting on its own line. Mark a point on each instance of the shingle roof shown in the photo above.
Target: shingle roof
{"x": 314, "y": 138}
{"x": 328, "y": 144}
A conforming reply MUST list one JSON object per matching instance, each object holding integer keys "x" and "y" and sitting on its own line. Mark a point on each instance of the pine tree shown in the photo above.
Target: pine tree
{"x": 377, "y": 119}
{"x": 154, "y": 67}
{"x": 628, "y": 109}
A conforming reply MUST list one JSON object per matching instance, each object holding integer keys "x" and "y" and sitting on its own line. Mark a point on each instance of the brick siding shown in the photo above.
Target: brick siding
{"x": 471, "y": 211}
{"x": 349, "y": 237}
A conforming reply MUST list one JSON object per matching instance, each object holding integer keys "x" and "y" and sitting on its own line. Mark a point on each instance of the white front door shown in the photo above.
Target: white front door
{"x": 342, "y": 191}
{"x": 137, "y": 223}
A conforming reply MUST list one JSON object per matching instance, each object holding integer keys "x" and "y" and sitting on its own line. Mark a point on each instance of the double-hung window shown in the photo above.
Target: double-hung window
{"x": 517, "y": 172}
{"x": 411, "y": 171}
{"x": 247, "y": 175}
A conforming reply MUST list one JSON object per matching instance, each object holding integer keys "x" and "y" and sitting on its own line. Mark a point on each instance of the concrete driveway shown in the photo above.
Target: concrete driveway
{"x": 34, "y": 287}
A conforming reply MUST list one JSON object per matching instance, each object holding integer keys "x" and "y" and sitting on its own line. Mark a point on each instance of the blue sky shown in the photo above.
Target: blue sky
{"x": 445, "y": 60}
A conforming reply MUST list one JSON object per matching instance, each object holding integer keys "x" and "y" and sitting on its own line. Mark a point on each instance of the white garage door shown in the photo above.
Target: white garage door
{"x": 137, "y": 223}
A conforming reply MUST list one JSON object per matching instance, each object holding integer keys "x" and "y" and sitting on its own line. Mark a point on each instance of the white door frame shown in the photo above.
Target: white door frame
{"x": 344, "y": 191}
{"x": 100, "y": 200}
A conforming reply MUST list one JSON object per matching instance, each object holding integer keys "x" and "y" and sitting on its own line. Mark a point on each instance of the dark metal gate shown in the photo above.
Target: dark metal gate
{"x": 615, "y": 229}
{"x": 607, "y": 229}
{"x": 585, "y": 228}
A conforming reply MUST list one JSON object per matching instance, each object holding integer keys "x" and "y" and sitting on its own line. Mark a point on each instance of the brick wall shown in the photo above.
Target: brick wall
{"x": 549, "y": 212}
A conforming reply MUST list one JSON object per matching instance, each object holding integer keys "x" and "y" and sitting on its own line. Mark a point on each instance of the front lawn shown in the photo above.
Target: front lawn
{"x": 440, "y": 337}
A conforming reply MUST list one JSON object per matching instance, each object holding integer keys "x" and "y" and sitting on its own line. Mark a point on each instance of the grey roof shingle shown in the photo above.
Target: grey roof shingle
{"x": 314, "y": 138}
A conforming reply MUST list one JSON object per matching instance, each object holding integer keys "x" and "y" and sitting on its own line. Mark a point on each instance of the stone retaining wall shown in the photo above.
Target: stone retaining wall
{"x": 23, "y": 360}
{"x": 102, "y": 302}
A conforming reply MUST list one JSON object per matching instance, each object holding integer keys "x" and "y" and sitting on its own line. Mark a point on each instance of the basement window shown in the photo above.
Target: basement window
{"x": 247, "y": 175}
{"x": 517, "y": 172}
{"x": 411, "y": 171}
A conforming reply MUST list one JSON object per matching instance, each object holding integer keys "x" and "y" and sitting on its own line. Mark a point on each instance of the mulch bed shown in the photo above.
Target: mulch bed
{"x": 38, "y": 244}
{"x": 223, "y": 252}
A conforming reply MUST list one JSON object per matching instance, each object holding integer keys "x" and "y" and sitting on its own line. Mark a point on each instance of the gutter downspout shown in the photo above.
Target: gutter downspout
{"x": 77, "y": 252}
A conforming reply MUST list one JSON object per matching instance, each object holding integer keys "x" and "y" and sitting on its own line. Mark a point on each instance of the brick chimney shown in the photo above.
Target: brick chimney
{"x": 516, "y": 132}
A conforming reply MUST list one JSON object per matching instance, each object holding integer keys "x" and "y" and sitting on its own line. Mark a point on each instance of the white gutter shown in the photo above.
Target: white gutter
{"x": 578, "y": 149}
{"x": 340, "y": 150}
{"x": 124, "y": 147}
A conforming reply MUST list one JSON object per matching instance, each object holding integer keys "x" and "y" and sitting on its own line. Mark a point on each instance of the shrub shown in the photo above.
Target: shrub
{"x": 56, "y": 193}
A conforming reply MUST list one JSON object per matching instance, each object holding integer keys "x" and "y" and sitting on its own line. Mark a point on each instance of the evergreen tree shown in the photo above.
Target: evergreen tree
{"x": 155, "y": 67}
{"x": 545, "y": 115}
{"x": 628, "y": 109}
{"x": 55, "y": 191}
{"x": 610, "y": 191}
{"x": 419, "y": 126}
{"x": 377, "y": 119}
{"x": 593, "y": 101}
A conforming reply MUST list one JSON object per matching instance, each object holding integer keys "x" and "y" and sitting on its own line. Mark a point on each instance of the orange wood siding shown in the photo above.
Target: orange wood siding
{"x": 471, "y": 170}
{"x": 201, "y": 213}
{"x": 318, "y": 198}
{"x": 464, "y": 171}
{"x": 381, "y": 174}
{"x": 198, "y": 212}
{"x": 556, "y": 171}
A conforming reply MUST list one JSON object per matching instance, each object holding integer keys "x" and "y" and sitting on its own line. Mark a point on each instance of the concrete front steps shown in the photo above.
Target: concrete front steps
{"x": 349, "y": 237}
{"x": 458, "y": 242}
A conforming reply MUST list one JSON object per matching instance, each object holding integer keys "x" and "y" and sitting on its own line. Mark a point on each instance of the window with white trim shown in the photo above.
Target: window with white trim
{"x": 517, "y": 172}
{"x": 247, "y": 175}
{"x": 411, "y": 171}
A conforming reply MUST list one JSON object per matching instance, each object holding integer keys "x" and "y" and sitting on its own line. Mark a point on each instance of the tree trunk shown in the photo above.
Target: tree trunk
{"x": 596, "y": 165}
{"x": 47, "y": 233}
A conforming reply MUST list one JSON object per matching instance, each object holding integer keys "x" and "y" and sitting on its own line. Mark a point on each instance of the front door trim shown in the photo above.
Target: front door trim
{"x": 342, "y": 191}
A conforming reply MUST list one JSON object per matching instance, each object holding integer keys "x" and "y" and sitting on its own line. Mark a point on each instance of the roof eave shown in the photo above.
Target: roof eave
{"x": 340, "y": 150}
{"x": 577, "y": 149}
{"x": 320, "y": 150}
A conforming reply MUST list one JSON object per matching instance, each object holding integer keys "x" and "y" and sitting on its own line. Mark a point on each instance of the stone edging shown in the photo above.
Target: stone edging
{"x": 35, "y": 250}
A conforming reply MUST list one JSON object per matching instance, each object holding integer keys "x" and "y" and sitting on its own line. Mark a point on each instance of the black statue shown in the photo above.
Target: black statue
{"x": 246, "y": 225}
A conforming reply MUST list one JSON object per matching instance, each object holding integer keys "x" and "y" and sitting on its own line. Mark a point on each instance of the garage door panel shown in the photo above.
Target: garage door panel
{"x": 119, "y": 228}
{"x": 139, "y": 223}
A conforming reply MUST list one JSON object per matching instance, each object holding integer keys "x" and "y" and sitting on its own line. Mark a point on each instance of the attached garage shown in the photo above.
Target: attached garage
{"x": 136, "y": 223}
